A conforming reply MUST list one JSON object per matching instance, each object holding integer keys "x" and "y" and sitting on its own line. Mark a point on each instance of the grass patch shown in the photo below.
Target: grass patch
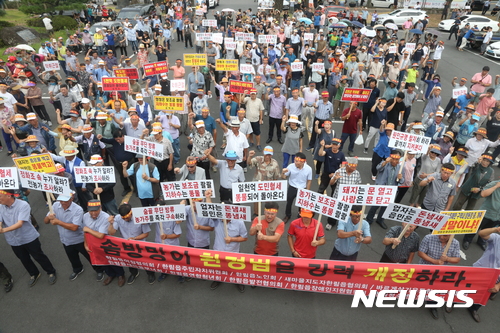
{"x": 15, "y": 16}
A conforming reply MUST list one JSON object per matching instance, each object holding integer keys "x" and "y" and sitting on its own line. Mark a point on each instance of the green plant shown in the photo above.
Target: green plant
{"x": 59, "y": 22}
{"x": 5, "y": 24}
{"x": 46, "y": 6}
{"x": 35, "y": 22}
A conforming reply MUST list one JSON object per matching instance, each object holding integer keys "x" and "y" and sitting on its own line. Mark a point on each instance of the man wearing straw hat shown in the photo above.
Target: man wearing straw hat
{"x": 301, "y": 235}
{"x": 350, "y": 236}
{"x": 89, "y": 142}
{"x": 124, "y": 221}
{"x": 67, "y": 216}
{"x": 21, "y": 235}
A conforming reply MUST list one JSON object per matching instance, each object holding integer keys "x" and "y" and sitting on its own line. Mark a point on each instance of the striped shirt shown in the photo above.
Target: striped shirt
{"x": 353, "y": 179}
{"x": 408, "y": 245}
{"x": 324, "y": 110}
{"x": 433, "y": 248}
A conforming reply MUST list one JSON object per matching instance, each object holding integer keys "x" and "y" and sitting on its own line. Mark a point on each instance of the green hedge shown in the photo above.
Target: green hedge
{"x": 5, "y": 24}
{"x": 59, "y": 22}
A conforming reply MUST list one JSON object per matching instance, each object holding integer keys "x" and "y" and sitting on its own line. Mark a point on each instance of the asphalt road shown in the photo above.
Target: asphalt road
{"x": 85, "y": 305}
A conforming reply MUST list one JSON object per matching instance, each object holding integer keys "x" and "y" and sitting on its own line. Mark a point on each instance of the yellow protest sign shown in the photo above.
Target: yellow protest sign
{"x": 38, "y": 163}
{"x": 461, "y": 222}
{"x": 226, "y": 65}
{"x": 195, "y": 59}
{"x": 169, "y": 103}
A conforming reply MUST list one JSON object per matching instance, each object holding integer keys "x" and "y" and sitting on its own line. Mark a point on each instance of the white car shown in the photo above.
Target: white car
{"x": 493, "y": 50}
{"x": 211, "y": 3}
{"x": 400, "y": 16}
{"x": 479, "y": 20}
{"x": 383, "y": 3}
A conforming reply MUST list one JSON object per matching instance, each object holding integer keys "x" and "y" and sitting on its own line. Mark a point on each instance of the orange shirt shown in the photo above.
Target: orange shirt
{"x": 263, "y": 246}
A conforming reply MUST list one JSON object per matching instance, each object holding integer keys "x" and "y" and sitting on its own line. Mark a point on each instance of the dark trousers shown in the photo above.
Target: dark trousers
{"x": 290, "y": 198}
{"x": 205, "y": 247}
{"x": 372, "y": 211}
{"x": 366, "y": 116}
{"x": 180, "y": 36}
{"x": 375, "y": 161}
{"x": 41, "y": 112}
{"x": 5, "y": 276}
{"x": 336, "y": 255}
{"x": 187, "y": 38}
{"x": 450, "y": 106}
{"x": 405, "y": 118}
{"x": 119, "y": 171}
{"x": 324, "y": 182}
{"x": 146, "y": 202}
{"x": 486, "y": 223}
{"x": 165, "y": 175}
{"x": 226, "y": 194}
{"x": 114, "y": 271}
{"x": 314, "y": 135}
{"x": 83, "y": 197}
{"x": 134, "y": 271}
{"x": 385, "y": 258}
{"x": 73, "y": 252}
{"x": 206, "y": 166}
{"x": 352, "y": 139}
{"x": 33, "y": 249}
{"x": 274, "y": 123}
{"x": 401, "y": 193}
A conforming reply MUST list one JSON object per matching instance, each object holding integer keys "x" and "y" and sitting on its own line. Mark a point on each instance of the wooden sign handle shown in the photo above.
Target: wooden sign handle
{"x": 225, "y": 221}
{"x": 49, "y": 202}
{"x": 161, "y": 233}
{"x": 445, "y": 251}
{"x": 193, "y": 214}
{"x": 403, "y": 232}
{"x": 317, "y": 228}
{"x": 360, "y": 226}
{"x": 143, "y": 166}
{"x": 404, "y": 160}
{"x": 98, "y": 196}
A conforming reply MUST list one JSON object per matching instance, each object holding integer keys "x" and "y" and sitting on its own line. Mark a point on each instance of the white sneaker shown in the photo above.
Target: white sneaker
{"x": 328, "y": 226}
{"x": 49, "y": 123}
{"x": 374, "y": 178}
{"x": 245, "y": 170}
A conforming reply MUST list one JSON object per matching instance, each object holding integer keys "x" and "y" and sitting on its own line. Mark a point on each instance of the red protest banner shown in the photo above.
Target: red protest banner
{"x": 115, "y": 84}
{"x": 239, "y": 87}
{"x": 314, "y": 275}
{"x": 131, "y": 73}
{"x": 356, "y": 95}
{"x": 155, "y": 68}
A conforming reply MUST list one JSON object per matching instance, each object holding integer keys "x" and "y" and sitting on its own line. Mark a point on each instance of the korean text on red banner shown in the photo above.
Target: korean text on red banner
{"x": 323, "y": 204}
{"x": 143, "y": 147}
{"x": 95, "y": 174}
{"x": 131, "y": 73}
{"x": 115, "y": 84}
{"x": 356, "y": 95}
{"x": 371, "y": 195}
{"x": 45, "y": 182}
{"x": 159, "y": 214}
{"x": 411, "y": 142}
{"x": 273, "y": 190}
{"x": 9, "y": 179}
{"x": 220, "y": 211}
{"x": 187, "y": 189}
{"x": 301, "y": 274}
{"x": 419, "y": 217}
{"x": 239, "y": 87}
{"x": 155, "y": 68}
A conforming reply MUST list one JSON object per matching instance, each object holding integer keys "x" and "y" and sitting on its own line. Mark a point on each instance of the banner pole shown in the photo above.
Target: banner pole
{"x": 403, "y": 232}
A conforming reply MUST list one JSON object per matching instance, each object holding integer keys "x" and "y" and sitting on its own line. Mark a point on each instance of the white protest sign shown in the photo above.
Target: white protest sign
{"x": 209, "y": 23}
{"x": 247, "y": 37}
{"x": 267, "y": 39}
{"x": 297, "y": 66}
{"x": 308, "y": 36}
{"x": 187, "y": 189}
{"x": 228, "y": 40}
{"x": 459, "y": 92}
{"x": 159, "y": 214}
{"x": 419, "y": 217}
{"x": 204, "y": 36}
{"x": 275, "y": 190}
{"x": 318, "y": 67}
{"x": 371, "y": 195}
{"x": 393, "y": 49}
{"x": 199, "y": 12}
{"x": 411, "y": 142}
{"x": 323, "y": 204}
{"x": 9, "y": 179}
{"x": 95, "y": 174}
{"x": 246, "y": 69}
{"x": 45, "y": 182}
{"x": 220, "y": 211}
{"x": 143, "y": 147}
{"x": 410, "y": 46}
{"x": 51, "y": 65}
{"x": 217, "y": 38}
{"x": 178, "y": 85}
{"x": 230, "y": 45}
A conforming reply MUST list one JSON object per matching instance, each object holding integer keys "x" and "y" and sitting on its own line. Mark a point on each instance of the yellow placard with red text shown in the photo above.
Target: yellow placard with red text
{"x": 195, "y": 59}
{"x": 169, "y": 103}
{"x": 226, "y": 65}
{"x": 37, "y": 163}
{"x": 461, "y": 222}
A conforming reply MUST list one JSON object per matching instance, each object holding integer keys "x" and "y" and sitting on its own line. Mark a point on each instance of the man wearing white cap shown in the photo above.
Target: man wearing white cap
{"x": 143, "y": 110}
{"x": 101, "y": 71}
{"x": 202, "y": 141}
{"x": 165, "y": 164}
{"x": 266, "y": 167}
{"x": 40, "y": 130}
{"x": 67, "y": 216}
{"x": 89, "y": 143}
{"x": 236, "y": 141}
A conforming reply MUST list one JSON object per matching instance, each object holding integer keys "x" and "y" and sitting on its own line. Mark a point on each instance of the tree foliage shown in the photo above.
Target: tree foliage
{"x": 49, "y": 6}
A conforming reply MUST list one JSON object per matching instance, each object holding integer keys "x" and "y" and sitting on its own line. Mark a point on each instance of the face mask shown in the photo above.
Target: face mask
{"x": 52, "y": 83}
{"x": 436, "y": 80}
{"x": 19, "y": 58}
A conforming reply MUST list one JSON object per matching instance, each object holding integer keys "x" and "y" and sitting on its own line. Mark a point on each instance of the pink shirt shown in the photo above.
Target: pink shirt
{"x": 485, "y": 104}
{"x": 179, "y": 72}
{"x": 478, "y": 77}
{"x": 408, "y": 24}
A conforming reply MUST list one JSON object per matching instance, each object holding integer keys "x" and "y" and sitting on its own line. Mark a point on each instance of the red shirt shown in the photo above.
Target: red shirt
{"x": 304, "y": 236}
{"x": 263, "y": 246}
{"x": 351, "y": 124}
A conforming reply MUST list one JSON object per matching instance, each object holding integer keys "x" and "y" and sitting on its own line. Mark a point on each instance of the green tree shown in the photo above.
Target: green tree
{"x": 46, "y": 6}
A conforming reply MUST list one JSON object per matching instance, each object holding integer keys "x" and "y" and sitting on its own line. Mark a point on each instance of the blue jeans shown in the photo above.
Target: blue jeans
{"x": 110, "y": 207}
{"x": 8, "y": 138}
{"x": 401, "y": 77}
{"x": 62, "y": 64}
{"x": 133, "y": 44}
{"x": 100, "y": 51}
{"x": 286, "y": 157}
{"x": 352, "y": 138}
{"x": 294, "y": 84}
{"x": 177, "y": 150}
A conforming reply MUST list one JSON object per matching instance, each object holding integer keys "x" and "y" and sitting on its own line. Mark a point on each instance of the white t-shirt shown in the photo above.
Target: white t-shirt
{"x": 48, "y": 23}
{"x": 488, "y": 37}
{"x": 438, "y": 52}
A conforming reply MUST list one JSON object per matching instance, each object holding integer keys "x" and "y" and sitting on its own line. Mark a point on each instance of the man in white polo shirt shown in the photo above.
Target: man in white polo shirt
{"x": 299, "y": 176}
{"x": 311, "y": 97}
{"x": 236, "y": 141}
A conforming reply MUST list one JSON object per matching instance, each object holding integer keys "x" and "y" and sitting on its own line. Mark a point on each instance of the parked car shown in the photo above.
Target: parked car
{"x": 333, "y": 11}
{"x": 400, "y": 16}
{"x": 211, "y": 3}
{"x": 476, "y": 39}
{"x": 479, "y": 20}
{"x": 383, "y": 3}
{"x": 104, "y": 24}
{"x": 493, "y": 50}
{"x": 131, "y": 12}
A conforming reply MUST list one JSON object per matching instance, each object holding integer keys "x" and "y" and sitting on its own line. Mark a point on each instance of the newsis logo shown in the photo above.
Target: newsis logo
{"x": 410, "y": 299}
